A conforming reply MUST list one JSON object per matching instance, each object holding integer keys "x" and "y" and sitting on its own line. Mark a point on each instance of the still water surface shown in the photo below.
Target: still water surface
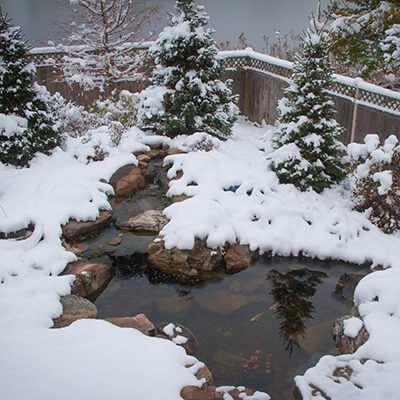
{"x": 258, "y": 328}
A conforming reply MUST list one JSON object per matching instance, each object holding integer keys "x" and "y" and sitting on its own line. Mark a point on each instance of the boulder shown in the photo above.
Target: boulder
{"x": 213, "y": 393}
{"x": 185, "y": 265}
{"x": 237, "y": 258}
{"x": 346, "y": 344}
{"x": 143, "y": 160}
{"x": 150, "y": 221}
{"x": 191, "y": 345}
{"x": 74, "y": 230}
{"x": 205, "y": 373}
{"x": 74, "y": 308}
{"x": 127, "y": 180}
{"x": 90, "y": 278}
{"x": 139, "y": 322}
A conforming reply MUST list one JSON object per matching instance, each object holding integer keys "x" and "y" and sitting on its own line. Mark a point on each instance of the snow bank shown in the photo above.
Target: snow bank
{"x": 90, "y": 358}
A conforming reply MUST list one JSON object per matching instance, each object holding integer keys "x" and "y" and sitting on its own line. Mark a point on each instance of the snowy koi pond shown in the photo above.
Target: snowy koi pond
{"x": 258, "y": 328}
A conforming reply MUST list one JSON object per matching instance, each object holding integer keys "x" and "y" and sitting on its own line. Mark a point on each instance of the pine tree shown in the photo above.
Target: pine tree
{"x": 308, "y": 153}
{"x": 366, "y": 35}
{"x": 186, "y": 79}
{"x": 25, "y": 126}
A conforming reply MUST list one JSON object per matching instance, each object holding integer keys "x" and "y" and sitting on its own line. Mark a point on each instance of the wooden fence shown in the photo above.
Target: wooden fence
{"x": 260, "y": 81}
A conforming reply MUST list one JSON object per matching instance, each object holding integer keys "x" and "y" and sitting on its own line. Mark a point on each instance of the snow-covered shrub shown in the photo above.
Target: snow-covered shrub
{"x": 186, "y": 94}
{"x": 102, "y": 48}
{"x": 377, "y": 180}
{"x": 26, "y": 125}
{"x": 72, "y": 120}
{"x": 119, "y": 107}
{"x": 308, "y": 153}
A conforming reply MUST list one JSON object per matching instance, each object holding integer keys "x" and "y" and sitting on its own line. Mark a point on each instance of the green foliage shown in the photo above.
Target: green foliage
{"x": 27, "y": 126}
{"x": 364, "y": 35}
{"x": 308, "y": 154}
{"x": 189, "y": 70}
{"x": 377, "y": 184}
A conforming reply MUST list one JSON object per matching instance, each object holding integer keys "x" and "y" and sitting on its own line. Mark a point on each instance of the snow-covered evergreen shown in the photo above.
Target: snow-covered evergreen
{"x": 308, "y": 153}
{"x": 187, "y": 94}
{"x": 366, "y": 35}
{"x": 26, "y": 126}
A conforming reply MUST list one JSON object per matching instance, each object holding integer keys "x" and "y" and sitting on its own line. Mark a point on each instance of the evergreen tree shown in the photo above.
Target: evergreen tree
{"x": 366, "y": 34}
{"x": 308, "y": 153}
{"x": 186, "y": 79}
{"x": 25, "y": 124}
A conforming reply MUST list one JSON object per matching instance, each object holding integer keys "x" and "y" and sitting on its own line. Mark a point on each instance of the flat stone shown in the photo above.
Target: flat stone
{"x": 90, "y": 278}
{"x": 139, "y": 322}
{"x": 203, "y": 393}
{"x": 205, "y": 373}
{"x": 316, "y": 336}
{"x": 127, "y": 180}
{"x": 74, "y": 308}
{"x": 150, "y": 221}
{"x": 225, "y": 302}
{"x": 197, "y": 263}
{"x": 228, "y": 359}
{"x": 143, "y": 158}
{"x": 115, "y": 241}
{"x": 237, "y": 258}
{"x": 74, "y": 230}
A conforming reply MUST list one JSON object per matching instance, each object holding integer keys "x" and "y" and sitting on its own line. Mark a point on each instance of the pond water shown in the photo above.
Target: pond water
{"x": 258, "y": 328}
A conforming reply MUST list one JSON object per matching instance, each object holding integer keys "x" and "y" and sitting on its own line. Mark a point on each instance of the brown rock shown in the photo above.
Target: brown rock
{"x": 139, "y": 322}
{"x": 127, "y": 180}
{"x": 143, "y": 158}
{"x": 346, "y": 344}
{"x": 91, "y": 278}
{"x": 74, "y": 230}
{"x": 237, "y": 258}
{"x": 182, "y": 197}
{"x": 184, "y": 265}
{"x": 115, "y": 241}
{"x": 205, "y": 373}
{"x": 191, "y": 346}
{"x": 74, "y": 308}
{"x": 150, "y": 221}
{"x": 203, "y": 393}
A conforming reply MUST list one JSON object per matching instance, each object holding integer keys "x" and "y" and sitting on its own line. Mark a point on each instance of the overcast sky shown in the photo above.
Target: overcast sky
{"x": 228, "y": 17}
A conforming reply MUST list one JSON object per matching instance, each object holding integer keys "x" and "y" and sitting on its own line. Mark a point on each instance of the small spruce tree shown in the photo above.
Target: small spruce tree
{"x": 22, "y": 103}
{"x": 191, "y": 96}
{"x": 308, "y": 153}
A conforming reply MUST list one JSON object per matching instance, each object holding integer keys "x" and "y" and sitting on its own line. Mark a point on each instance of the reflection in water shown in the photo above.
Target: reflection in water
{"x": 291, "y": 292}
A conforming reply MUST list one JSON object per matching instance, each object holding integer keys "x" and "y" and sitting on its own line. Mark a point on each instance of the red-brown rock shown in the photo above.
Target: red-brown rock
{"x": 210, "y": 393}
{"x": 237, "y": 258}
{"x": 74, "y": 308}
{"x": 127, "y": 180}
{"x": 76, "y": 229}
{"x": 139, "y": 322}
{"x": 90, "y": 278}
{"x": 115, "y": 241}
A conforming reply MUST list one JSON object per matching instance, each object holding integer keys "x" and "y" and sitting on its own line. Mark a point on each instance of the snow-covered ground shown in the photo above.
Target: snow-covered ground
{"x": 235, "y": 198}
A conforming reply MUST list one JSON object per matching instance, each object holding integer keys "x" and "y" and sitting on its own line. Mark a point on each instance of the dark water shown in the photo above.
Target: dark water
{"x": 258, "y": 328}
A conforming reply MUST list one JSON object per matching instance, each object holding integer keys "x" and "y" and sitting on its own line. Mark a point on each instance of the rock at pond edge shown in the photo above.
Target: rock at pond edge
{"x": 150, "y": 221}
{"x": 139, "y": 322}
{"x": 185, "y": 265}
{"x": 74, "y": 308}
{"x": 90, "y": 278}
{"x": 74, "y": 230}
{"x": 237, "y": 258}
{"x": 127, "y": 180}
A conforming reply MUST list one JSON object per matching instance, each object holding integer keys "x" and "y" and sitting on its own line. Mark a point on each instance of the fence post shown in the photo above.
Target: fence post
{"x": 355, "y": 115}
